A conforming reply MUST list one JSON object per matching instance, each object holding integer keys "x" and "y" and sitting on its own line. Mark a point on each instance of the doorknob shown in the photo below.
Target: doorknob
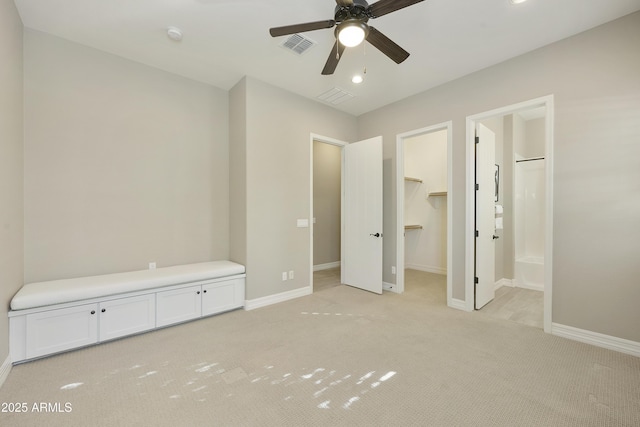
{"x": 375, "y": 235}
{"x": 495, "y": 237}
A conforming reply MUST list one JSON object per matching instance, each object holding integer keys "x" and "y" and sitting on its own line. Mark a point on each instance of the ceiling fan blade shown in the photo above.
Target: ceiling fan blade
{"x": 382, "y": 7}
{"x": 334, "y": 57}
{"x": 301, "y": 28}
{"x": 387, "y": 46}
{"x": 344, "y": 2}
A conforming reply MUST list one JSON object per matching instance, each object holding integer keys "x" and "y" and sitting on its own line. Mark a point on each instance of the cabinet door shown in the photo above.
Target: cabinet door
{"x": 63, "y": 329}
{"x": 178, "y": 305}
{"x": 127, "y": 316}
{"x": 222, "y": 296}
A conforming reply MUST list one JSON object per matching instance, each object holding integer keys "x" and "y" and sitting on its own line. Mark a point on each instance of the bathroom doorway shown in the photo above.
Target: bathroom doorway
{"x": 522, "y": 226}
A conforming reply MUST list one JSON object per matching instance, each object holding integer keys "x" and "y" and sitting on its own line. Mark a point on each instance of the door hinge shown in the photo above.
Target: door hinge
{"x": 475, "y": 280}
{"x": 477, "y": 234}
{"x": 477, "y": 187}
{"x": 477, "y": 139}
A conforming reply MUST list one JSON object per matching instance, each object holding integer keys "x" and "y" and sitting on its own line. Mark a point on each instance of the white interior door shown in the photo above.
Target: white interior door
{"x": 362, "y": 224}
{"x": 485, "y": 216}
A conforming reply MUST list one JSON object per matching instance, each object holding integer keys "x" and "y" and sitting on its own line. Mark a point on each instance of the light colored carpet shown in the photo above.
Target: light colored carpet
{"x": 340, "y": 357}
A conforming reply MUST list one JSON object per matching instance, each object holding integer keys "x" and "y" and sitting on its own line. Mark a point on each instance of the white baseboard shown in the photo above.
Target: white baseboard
{"x": 458, "y": 304}
{"x": 597, "y": 339}
{"x": 517, "y": 284}
{"x": 503, "y": 282}
{"x": 277, "y": 298}
{"x": 427, "y": 268}
{"x": 326, "y": 266}
{"x": 5, "y": 368}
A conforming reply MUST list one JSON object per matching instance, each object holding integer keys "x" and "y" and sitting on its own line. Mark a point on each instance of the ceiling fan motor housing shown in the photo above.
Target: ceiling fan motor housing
{"x": 357, "y": 11}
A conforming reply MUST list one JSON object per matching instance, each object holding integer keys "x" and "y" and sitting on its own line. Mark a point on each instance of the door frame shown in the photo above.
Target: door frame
{"x": 400, "y": 140}
{"x": 548, "y": 103}
{"x": 338, "y": 143}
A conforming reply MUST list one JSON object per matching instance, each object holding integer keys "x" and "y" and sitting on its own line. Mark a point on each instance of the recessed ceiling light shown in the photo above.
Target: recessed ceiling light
{"x": 174, "y": 34}
{"x": 517, "y": 1}
{"x": 357, "y": 79}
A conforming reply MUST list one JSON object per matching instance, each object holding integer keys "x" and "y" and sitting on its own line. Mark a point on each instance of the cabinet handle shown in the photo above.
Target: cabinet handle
{"x": 198, "y": 292}
{"x": 104, "y": 309}
{"x": 93, "y": 312}
{"x": 204, "y": 292}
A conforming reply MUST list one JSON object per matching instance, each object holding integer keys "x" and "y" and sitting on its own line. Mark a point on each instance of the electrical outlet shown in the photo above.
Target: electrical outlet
{"x": 152, "y": 266}
{"x": 290, "y": 274}
{"x": 284, "y": 275}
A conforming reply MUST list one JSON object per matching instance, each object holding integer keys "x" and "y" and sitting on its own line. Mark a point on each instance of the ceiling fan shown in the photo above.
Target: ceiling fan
{"x": 350, "y": 20}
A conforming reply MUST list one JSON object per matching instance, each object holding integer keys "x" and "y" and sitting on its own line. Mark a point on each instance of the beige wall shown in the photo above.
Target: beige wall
{"x": 594, "y": 77}
{"x": 11, "y": 161}
{"x": 278, "y": 149}
{"x": 124, "y": 164}
{"x": 238, "y": 172}
{"x": 327, "y": 165}
{"x": 535, "y": 138}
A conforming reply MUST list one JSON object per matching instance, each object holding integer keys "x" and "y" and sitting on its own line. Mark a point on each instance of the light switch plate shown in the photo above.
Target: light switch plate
{"x": 302, "y": 223}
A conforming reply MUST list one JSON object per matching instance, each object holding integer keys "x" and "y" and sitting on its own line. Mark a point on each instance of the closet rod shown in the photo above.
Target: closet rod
{"x": 530, "y": 160}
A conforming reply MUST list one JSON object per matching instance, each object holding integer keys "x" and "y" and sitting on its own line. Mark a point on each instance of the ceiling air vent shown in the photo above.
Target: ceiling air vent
{"x": 298, "y": 44}
{"x": 335, "y": 96}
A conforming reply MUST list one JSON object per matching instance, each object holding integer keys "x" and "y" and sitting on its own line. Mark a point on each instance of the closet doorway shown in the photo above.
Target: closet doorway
{"x": 424, "y": 183}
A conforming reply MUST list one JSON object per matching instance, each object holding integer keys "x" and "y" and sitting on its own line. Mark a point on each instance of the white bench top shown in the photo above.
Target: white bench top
{"x": 68, "y": 290}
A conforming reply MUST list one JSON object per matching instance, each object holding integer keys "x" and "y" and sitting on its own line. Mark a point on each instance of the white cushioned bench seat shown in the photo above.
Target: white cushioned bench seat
{"x": 41, "y": 294}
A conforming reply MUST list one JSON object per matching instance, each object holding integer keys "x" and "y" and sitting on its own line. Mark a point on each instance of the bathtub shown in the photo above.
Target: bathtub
{"x": 529, "y": 273}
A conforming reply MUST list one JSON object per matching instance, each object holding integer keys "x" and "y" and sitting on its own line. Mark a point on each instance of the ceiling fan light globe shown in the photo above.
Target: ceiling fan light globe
{"x": 351, "y": 35}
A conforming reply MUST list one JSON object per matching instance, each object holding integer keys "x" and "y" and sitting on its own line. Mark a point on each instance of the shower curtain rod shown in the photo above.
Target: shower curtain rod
{"x": 530, "y": 160}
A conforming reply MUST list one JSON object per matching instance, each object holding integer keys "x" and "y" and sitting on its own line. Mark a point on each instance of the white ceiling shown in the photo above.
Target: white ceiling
{"x": 225, "y": 40}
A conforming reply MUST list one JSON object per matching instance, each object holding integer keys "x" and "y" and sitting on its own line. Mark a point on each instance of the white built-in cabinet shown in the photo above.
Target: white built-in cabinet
{"x": 179, "y": 305}
{"x": 57, "y": 330}
{"x": 222, "y": 296}
{"x": 60, "y": 330}
{"x": 183, "y": 304}
{"x": 126, "y": 316}
{"x": 52, "y": 329}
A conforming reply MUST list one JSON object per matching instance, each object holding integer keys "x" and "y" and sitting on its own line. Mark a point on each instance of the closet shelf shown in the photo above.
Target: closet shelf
{"x": 413, "y": 227}
{"x": 437, "y": 193}
{"x": 408, "y": 178}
